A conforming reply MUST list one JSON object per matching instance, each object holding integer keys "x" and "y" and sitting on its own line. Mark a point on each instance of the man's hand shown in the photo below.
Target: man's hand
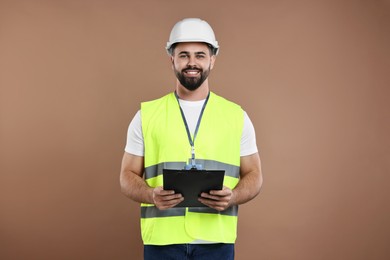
{"x": 165, "y": 199}
{"x": 218, "y": 199}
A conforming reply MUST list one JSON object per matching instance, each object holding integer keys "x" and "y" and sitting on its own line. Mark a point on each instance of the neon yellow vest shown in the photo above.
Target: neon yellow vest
{"x": 217, "y": 146}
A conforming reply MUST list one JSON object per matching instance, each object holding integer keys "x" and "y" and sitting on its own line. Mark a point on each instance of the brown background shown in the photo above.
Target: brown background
{"x": 312, "y": 75}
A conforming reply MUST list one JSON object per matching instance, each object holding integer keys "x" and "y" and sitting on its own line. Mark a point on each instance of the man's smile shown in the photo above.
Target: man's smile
{"x": 191, "y": 72}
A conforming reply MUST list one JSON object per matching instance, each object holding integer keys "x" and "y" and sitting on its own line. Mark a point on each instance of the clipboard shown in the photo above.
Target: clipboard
{"x": 191, "y": 183}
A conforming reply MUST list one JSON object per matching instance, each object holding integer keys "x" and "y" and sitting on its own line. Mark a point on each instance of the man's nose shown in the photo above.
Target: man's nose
{"x": 191, "y": 60}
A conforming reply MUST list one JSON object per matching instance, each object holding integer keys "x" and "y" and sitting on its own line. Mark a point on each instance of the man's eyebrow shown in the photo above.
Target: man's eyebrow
{"x": 187, "y": 52}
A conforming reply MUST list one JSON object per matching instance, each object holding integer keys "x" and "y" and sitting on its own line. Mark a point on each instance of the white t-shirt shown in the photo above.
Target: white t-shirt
{"x": 191, "y": 109}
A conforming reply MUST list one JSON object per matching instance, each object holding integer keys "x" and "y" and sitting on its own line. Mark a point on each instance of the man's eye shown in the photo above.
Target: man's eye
{"x": 200, "y": 56}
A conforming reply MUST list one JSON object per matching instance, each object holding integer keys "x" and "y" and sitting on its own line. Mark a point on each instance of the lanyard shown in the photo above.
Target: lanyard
{"x": 192, "y": 141}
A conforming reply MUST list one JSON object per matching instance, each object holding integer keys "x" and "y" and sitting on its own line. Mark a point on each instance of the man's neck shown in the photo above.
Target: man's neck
{"x": 198, "y": 94}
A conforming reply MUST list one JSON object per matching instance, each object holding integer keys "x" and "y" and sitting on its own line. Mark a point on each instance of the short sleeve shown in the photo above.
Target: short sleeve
{"x": 135, "y": 141}
{"x": 248, "y": 138}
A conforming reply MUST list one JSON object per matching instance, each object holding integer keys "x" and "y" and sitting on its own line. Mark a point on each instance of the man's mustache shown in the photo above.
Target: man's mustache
{"x": 191, "y": 68}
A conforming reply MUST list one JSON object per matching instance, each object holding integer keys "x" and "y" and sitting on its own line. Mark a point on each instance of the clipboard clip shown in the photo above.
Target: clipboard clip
{"x": 192, "y": 165}
{"x": 197, "y": 166}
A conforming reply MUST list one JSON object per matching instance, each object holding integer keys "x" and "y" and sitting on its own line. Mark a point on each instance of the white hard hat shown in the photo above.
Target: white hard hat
{"x": 192, "y": 30}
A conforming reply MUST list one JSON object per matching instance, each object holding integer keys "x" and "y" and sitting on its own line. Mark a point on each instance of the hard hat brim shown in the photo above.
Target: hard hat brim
{"x": 214, "y": 45}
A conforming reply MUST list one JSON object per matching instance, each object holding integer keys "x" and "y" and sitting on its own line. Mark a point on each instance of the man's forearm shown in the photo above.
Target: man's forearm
{"x": 134, "y": 187}
{"x": 250, "y": 179}
{"x": 247, "y": 188}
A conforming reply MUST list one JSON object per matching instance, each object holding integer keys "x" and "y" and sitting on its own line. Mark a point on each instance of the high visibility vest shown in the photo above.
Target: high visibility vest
{"x": 217, "y": 146}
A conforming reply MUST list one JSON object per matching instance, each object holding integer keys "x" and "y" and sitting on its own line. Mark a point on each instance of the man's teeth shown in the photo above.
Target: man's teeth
{"x": 192, "y": 72}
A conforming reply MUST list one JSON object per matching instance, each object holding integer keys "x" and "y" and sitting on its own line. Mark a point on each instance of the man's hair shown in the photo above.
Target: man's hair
{"x": 212, "y": 50}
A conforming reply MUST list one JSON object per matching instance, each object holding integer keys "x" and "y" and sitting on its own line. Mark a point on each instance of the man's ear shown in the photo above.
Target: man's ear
{"x": 212, "y": 61}
{"x": 172, "y": 62}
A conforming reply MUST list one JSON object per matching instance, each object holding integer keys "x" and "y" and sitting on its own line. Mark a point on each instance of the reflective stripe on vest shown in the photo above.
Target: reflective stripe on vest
{"x": 166, "y": 146}
{"x": 153, "y": 212}
{"x": 155, "y": 170}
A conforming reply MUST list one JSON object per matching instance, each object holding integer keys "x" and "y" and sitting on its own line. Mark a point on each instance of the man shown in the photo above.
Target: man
{"x": 190, "y": 123}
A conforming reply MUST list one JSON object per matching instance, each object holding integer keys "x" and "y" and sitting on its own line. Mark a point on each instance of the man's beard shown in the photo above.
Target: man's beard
{"x": 192, "y": 83}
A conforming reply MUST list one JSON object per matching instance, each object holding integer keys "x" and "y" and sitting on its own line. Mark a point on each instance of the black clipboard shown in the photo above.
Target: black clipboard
{"x": 191, "y": 183}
